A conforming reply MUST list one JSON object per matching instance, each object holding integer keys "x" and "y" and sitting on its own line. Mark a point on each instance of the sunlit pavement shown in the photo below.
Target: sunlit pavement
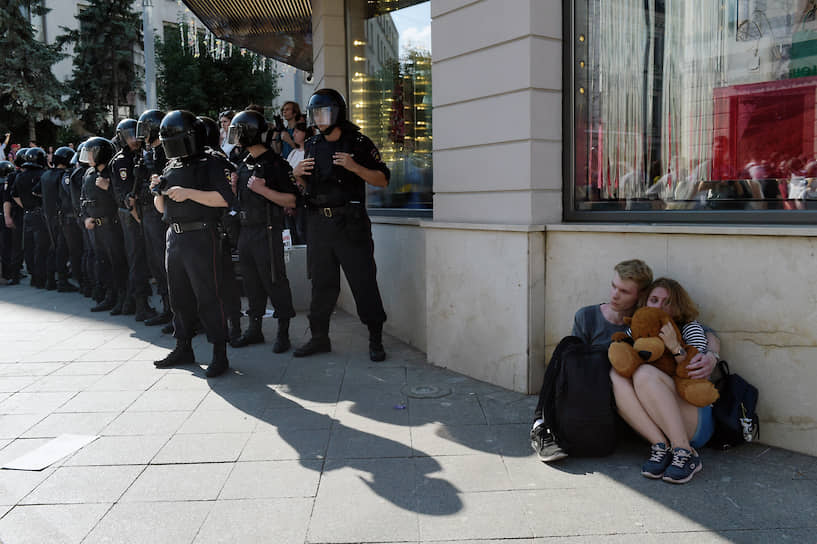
{"x": 330, "y": 448}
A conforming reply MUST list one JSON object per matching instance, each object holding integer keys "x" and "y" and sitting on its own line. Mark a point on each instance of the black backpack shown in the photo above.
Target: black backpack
{"x": 734, "y": 412}
{"x": 579, "y": 407}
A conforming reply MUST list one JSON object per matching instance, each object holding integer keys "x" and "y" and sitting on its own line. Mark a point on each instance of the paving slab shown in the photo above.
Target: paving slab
{"x": 99, "y": 484}
{"x": 50, "y": 524}
{"x": 256, "y": 521}
{"x": 171, "y": 522}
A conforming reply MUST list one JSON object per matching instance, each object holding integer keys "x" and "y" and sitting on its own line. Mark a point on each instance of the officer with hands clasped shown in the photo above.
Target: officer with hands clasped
{"x": 100, "y": 213}
{"x": 339, "y": 162}
{"x": 265, "y": 187}
{"x": 192, "y": 194}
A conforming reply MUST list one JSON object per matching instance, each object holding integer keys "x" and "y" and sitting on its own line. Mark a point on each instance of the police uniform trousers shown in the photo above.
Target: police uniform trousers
{"x": 155, "y": 232}
{"x": 110, "y": 243}
{"x": 72, "y": 237}
{"x": 36, "y": 244}
{"x": 256, "y": 271}
{"x": 138, "y": 275}
{"x": 193, "y": 263}
{"x": 332, "y": 244}
{"x": 58, "y": 251}
{"x": 230, "y": 289}
{"x": 13, "y": 245}
{"x": 94, "y": 265}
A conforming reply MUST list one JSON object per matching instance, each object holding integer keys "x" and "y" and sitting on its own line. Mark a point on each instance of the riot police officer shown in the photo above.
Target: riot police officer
{"x": 229, "y": 230}
{"x": 339, "y": 162}
{"x": 123, "y": 184}
{"x": 50, "y": 189}
{"x": 100, "y": 213}
{"x": 36, "y": 242}
{"x": 154, "y": 228}
{"x": 95, "y": 282}
{"x": 8, "y": 228}
{"x": 193, "y": 192}
{"x": 265, "y": 187}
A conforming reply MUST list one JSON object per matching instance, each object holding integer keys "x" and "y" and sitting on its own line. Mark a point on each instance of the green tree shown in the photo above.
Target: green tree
{"x": 104, "y": 70}
{"x": 29, "y": 92}
{"x": 207, "y": 83}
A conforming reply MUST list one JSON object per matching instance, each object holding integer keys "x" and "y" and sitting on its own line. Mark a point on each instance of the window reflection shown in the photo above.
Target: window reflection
{"x": 696, "y": 105}
{"x": 390, "y": 87}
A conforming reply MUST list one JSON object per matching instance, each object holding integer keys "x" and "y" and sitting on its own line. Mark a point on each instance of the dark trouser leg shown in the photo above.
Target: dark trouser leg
{"x": 138, "y": 275}
{"x": 154, "y": 230}
{"x": 279, "y": 292}
{"x": 16, "y": 256}
{"x": 231, "y": 295}
{"x": 357, "y": 261}
{"x": 73, "y": 242}
{"x": 250, "y": 271}
{"x": 325, "y": 272}
{"x": 109, "y": 239}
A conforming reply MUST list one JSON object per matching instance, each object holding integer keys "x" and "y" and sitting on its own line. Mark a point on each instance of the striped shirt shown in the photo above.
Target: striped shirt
{"x": 692, "y": 334}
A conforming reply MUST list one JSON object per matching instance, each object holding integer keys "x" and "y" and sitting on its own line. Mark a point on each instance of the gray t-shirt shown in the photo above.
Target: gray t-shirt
{"x": 590, "y": 325}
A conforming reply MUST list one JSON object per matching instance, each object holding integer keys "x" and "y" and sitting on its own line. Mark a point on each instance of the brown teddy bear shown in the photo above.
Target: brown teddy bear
{"x": 626, "y": 356}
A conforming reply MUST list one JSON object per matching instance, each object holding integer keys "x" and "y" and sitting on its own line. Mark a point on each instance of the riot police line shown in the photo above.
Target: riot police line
{"x": 161, "y": 201}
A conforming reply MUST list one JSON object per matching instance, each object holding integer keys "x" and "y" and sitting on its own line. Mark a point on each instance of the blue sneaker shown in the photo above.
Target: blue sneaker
{"x": 658, "y": 462}
{"x": 683, "y": 467}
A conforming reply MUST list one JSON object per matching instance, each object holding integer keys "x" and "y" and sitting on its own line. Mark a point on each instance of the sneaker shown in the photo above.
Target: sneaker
{"x": 658, "y": 462}
{"x": 683, "y": 467}
{"x": 545, "y": 446}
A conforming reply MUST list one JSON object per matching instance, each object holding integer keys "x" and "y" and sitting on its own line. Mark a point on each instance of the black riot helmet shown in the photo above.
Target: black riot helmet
{"x": 147, "y": 128}
{"x": 326, "y": 107}
{"x": 210, "y": 131}
{"x": 35, "y": 158}
{"x": 6, "y": 168}
{"x": 182, "y": 135}
{"x": 63, "y": 156}
{"x": 20, "y": 157}
{"x": 247, "y": 128}
{"x": 96, "y": 151}
{"x": 126, "y": 132}
{"x": 75, "y": 161}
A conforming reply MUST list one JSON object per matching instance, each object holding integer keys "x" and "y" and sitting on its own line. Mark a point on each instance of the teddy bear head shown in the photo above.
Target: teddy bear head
{"x": 647, "y": 322}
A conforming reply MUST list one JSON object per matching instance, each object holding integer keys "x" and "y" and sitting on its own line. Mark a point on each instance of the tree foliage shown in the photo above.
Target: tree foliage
{"x": 104, "y": 71}
{"x": 206, "y": 83}
{"x": 29, "y": 92}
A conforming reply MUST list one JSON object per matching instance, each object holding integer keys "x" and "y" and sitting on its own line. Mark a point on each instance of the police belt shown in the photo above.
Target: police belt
{"x": 190, "y": 226}
{"x": 105, "y": 220}
{"x": 38, "y": 209}
{"x": 330, "y": 211}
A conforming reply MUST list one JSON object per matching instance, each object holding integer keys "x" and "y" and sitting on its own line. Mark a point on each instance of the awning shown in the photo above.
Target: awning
{"x": 278, "y": 29}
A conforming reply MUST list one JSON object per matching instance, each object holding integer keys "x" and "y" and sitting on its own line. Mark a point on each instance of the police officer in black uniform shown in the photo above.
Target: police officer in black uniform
{"x": 193, "y": 192}
{"x": 154, "y": 228}
{"x": 265, "y": 187}
{"x": 36, "y": 241}
{"x": 122, "y": 164}
{"x": 229, "y": 229}
{"x": 95, "y": 283}
{"x": 100, "y": 213}
{"x": 50, "y": 188}
{"x": 72, "y": 231}
{"x": 339, "y": 162}
{"x": 11, "y": 227}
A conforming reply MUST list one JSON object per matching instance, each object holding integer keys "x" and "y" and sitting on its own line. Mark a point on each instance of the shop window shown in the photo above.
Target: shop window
{"x": 692, "y": 110}
{"x": 389, "y": 59}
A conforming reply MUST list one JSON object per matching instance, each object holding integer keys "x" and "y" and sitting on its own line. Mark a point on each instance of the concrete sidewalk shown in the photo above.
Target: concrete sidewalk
{"x": 332, "y": 448}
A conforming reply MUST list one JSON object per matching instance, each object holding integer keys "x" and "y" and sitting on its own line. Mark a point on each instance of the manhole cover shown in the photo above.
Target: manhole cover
{"x": 426, "y": 391}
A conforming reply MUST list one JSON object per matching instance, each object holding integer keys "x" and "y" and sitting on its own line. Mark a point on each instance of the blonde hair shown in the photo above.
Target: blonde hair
{"x": 635, "y": 270}
{"x": 678, "y": 299}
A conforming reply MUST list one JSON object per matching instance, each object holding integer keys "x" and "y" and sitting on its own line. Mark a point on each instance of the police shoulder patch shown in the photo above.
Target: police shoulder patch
{"x": 123, "y": 173}
{"x": 227, "y": 175}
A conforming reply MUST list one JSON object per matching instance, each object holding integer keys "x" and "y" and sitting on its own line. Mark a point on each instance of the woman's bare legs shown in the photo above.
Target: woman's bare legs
{"x": 657, "y": 395}
{"x": 630, "y": 408}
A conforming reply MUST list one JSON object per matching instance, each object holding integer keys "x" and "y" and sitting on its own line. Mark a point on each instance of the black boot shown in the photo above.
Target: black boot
{"x": 98, "y": 293}
{"x": 144, "y": 310}
{"x": 182, "y": 354}
{"x": 234, "y": 329}
{"x": 129, "y": 306}
{"x": 162, "y": 318}
{"x": 65, "y": 286}
{"x": 376, "y": 351}
{"x": 169, "y": 328}
{"x": 220, "y": 364}
{"x": 51, "y": 283}
{"x": 282, "y": 342}
{"x": 120, "y": 302}
{"x": 252, "y": 335}
{"x": 316, "y": 344}
{"x": 107, "y": 302}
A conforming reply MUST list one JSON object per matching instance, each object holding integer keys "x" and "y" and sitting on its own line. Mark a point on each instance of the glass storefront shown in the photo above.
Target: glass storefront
{"x": 698, "y": 110}
{"x": 390, "y": 94}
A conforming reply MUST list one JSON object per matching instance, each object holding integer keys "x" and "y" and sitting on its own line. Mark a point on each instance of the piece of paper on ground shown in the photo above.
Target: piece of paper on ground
{"x": 50, "y": 452}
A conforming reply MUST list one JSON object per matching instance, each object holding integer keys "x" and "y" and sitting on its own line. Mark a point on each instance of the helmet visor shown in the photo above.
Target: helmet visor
{"x": 128, "y": 135}
{"x": 143, "y": 131}
{"x": 176, "y": 147}
{"x": 234, "y": 134}
{"x": 86, "y": 155}
{"x": 322, "y": 116}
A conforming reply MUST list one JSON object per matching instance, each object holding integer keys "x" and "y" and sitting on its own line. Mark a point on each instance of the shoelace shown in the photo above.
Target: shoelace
{"x": 658, "y": 455}
{"x": 680, "y": 458}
